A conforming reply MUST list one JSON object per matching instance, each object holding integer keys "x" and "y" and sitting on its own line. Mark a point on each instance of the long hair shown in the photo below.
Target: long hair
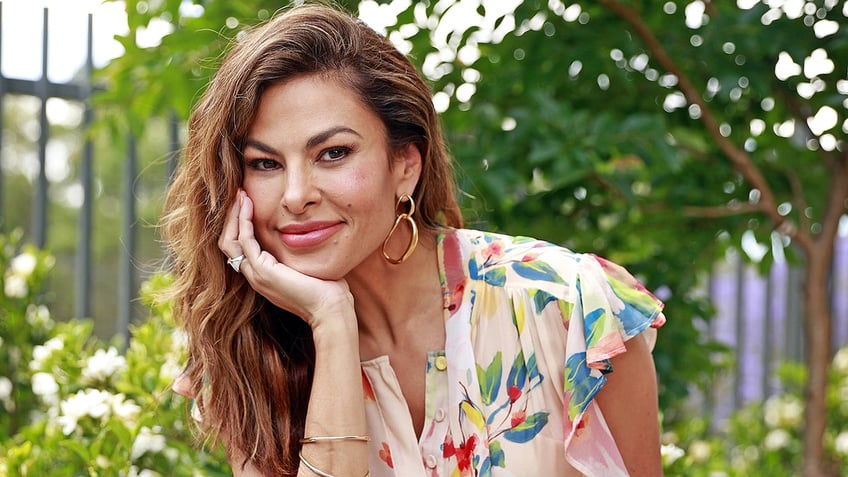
{"x": 251, "y": 362}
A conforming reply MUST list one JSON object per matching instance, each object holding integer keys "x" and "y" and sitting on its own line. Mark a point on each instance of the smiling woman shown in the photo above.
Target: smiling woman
{"x": 360, "y": 329}
{"x": 317, "y": 162}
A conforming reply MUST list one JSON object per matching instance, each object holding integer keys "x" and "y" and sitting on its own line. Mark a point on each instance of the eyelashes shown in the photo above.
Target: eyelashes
{"x": 329, "y": 155}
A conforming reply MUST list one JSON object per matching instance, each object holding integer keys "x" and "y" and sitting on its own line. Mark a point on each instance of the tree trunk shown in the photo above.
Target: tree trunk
{"x": 817, "y": 328}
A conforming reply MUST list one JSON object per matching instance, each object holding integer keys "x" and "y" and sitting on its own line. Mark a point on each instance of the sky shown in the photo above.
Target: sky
{"x": 67, "y": 26}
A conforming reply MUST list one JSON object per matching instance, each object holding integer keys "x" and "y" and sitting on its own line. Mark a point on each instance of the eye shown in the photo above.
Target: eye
{"x": 335, "y": 153}
{"x": 263, "y": 164}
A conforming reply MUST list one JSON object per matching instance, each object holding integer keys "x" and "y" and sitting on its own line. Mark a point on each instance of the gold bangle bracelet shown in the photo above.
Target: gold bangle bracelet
{"x": 313, "y": 439}
{"x": 320, "y": 472}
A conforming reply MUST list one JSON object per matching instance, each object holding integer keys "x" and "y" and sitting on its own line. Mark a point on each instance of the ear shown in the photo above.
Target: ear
{"x": 407, "y": 171}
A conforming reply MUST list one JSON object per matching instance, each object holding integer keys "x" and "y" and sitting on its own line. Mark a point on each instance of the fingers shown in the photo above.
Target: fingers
{"x": 246, "y": 239}
{"x": 182, "y": 385}
{"x": 228, "y": 241}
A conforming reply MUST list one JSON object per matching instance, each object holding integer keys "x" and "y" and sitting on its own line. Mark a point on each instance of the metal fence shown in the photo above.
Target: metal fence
{"x": 78, "y": 91}
{"x": 770, "y": 332}
{"x": 760, "y": 317}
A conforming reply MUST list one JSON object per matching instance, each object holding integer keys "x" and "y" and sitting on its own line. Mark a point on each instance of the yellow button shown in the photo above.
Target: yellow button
{"x": 441, "y": 363}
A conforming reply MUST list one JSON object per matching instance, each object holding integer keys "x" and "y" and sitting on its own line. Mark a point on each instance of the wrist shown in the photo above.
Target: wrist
{"x": 335, "y": 326}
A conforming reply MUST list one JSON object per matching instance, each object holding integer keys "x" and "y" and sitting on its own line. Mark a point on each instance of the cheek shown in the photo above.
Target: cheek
{"x": 368, "y": 191}
{"x": 264, "y": 201}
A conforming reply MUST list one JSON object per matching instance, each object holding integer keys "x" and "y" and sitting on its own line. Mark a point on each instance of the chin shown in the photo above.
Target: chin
{"x": 321, "y": 271}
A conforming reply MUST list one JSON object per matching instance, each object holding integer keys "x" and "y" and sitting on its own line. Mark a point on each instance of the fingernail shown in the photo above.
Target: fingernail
{"x": 241, "y": 197}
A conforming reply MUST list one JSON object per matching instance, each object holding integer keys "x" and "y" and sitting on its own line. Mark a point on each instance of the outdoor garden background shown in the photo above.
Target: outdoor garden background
{"x": 701, "y": 144}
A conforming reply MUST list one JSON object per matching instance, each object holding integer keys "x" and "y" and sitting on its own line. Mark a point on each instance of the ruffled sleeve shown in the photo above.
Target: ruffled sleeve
{"x": 609, "y": 308}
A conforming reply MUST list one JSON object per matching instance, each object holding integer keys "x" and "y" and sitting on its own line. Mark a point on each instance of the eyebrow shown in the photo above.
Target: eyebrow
{"x": 312, "y": 142}
{"x": 324, "y": 136}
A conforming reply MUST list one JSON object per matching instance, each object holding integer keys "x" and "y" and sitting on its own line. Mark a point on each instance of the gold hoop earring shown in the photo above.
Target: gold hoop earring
{"x": 413, "y": 241}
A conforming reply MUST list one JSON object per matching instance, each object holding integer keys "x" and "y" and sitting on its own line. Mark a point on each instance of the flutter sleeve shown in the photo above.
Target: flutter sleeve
{"x": 609, "y": 307}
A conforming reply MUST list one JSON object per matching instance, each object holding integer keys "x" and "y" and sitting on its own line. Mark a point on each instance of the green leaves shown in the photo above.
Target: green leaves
{"x": 77, "y": 406}
{"x": 490, "y": 379}
{"x": 527, "y": 430}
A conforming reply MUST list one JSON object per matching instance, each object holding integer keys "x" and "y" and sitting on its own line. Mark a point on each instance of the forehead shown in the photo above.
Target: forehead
{"x": 313, "y": 102}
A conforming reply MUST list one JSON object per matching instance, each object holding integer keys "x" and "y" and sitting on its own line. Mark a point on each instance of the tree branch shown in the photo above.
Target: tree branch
{"x": 729, "y": 210}
{"x": 738, "y": 157}
{"x": 837, "y": 201}
{"x": 798, "y": 198}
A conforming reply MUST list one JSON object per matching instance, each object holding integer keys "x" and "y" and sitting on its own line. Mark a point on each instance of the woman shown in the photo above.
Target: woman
{"x": 350, "y": 325}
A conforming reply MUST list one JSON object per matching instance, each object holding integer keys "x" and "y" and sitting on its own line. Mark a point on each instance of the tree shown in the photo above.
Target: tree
{"x": 705, "y": 105}
{"x": 655, "y": 134}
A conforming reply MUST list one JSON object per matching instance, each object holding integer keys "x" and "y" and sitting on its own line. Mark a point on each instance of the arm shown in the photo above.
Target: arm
{"x": 628, "y": 402}
{"x": 336, "y": 402}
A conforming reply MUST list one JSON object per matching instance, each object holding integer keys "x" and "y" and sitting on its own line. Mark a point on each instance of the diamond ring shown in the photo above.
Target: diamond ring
{"x": 235, "y": 262}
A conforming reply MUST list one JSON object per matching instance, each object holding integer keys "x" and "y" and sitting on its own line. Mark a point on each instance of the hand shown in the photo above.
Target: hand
{"x": 310, "y": 298}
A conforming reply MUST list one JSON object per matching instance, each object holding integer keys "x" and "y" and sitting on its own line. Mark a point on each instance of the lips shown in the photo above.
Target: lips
{"x": 308, "y": 234}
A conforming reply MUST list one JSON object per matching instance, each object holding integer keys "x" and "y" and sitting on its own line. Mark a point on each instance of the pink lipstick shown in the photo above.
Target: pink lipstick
{"x": 308, "y": 234}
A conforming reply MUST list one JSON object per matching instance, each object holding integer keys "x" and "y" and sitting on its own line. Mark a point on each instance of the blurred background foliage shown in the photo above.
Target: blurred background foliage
{"x": 657, "y": 134}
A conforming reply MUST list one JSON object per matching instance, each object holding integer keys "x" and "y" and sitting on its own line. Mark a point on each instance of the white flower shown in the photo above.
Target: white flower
{"x": 134, "y": 472}
{"x": 148, "y": 440}
{"x": 776, "y": 439}
{"x": 840, "y": 361}
{"x": 841, "y": 443}
{"x": 170, "y": 369}
{"x": 103, "y": 462}
{"x": 671, "y": 453}
{"x": 16, "y": 286}
{"x": 699, "y": 451}
{"x": 5, "y": 389}
{"x": 179, "y": 338}
{"x": 125, "y": 410}
{"x": 38, "y": 316}
{"x": 41, "y": 353}
{"x": 44, "y": 386}
{"x": 783, "y": 411}
{"x": 91, "y": 402}
{"x": 104, "y": 364}
{"x": 23, "y": 265}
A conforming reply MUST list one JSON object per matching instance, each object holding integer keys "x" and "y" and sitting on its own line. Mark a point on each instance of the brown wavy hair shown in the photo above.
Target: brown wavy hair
{"x": 251, "y": 363}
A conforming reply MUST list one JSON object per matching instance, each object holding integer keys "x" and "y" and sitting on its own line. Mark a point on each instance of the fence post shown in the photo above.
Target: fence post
{"x": 127, "y": 288}
{"x": 39, "y": 211}
{"x": 2, "y": 96}
{"x": 83, "y": 270}
{"x": 173, "y": 158}
{"x": 739, "y": 330}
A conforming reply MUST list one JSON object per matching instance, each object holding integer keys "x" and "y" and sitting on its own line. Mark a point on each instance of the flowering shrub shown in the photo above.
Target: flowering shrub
{"x": 22, "y": 324}
{"x": 74, "y": 405}
{"x": 764, "y": 438}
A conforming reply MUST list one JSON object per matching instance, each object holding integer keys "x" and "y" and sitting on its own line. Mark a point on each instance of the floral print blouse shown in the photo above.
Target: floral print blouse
{"x": 530, "y": 328}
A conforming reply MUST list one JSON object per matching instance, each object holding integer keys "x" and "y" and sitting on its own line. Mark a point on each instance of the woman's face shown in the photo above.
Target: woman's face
{"x": 317, "y": 168}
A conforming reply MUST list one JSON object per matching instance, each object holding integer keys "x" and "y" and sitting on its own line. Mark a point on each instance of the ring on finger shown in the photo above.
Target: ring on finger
{"x": 235, "y": 262}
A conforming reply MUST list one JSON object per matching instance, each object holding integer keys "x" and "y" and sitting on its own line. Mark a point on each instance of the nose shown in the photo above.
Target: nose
{"x": 300, "y": 190}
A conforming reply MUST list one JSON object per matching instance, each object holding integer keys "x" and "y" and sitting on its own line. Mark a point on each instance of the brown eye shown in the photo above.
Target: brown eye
{"x": 334, "y": 154}
{"x": 263, "y": 164}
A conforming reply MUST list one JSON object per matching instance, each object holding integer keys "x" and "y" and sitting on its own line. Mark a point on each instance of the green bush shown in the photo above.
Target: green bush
{"x": 73, "y": 405}
{"x": 763, "y": 439}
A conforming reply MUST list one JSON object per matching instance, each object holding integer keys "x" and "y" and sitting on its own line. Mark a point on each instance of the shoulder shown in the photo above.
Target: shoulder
{"x": 516, "y": 261}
